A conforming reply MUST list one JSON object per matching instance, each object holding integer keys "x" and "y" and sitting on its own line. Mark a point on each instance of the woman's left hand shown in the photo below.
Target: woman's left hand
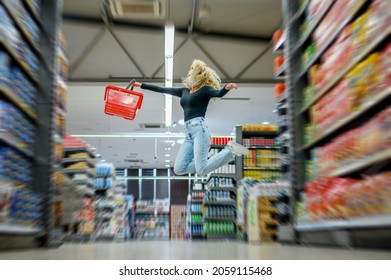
{"x": 231, "y": 86}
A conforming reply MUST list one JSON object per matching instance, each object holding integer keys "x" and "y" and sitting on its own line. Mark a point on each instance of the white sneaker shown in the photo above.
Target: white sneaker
{"x": 238, "y": 149}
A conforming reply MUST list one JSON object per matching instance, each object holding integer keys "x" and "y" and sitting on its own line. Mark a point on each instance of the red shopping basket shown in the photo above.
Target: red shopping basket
{"x": 122, "y": 102}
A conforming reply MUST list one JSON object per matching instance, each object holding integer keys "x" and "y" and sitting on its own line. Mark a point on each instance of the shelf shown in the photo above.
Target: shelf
{"x": 77, "y": 170}
{"x": 72, "y": 160}
{"x": 280, "y": 73}
{"x": 151, "y": 213}
{"x": 80, "y": 149}
{"x": 32, "y": 11}
{"x": 324, "y": 225}
{"x": 262, "y": 147}
{"x": 255, "y": 133}
{"x": 353, "y": 62}
{"x": 300, "y": 11}
{"x": 14, "y": 143}
{"x": 6, "y": 228}
{"x": 16, "y": 101}
{"x": 353, "y": 223}
{"x": 368, "y": 221}
{"x": 22, "y": 29}
{"x": 376, "y": 99}
{"x": 233, "y": 219}
{"x": 221, "y": 202}
{"x": 261, "y": 168}
{"x": 283, "y": 97}
{"x": 231, "y": 189}
{"x": 18, "y": 60}
{"x": 362, "y": 163}
{"x": 280, "y": 43}
{"x": 225, "y": 175}
{"x": 314, "y": 25}
{"x": 197, "y": 223}
{"x": 197, "y": 200}
{"x": 332, "y": 38}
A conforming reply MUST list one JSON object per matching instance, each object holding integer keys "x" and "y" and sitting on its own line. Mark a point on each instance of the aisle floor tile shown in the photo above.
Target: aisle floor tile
{"x": 191, "y": 250}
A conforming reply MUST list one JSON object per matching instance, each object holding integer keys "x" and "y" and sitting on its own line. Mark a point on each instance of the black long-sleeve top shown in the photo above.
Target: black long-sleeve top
{"x": 194, "y": 104}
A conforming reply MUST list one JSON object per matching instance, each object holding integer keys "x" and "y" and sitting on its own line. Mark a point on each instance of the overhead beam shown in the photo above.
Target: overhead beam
{"x": 264, "y": 51}
{"x": 211, "y": 58}
{"x": 87, "y": 51}
{"x": 160, "y": 28}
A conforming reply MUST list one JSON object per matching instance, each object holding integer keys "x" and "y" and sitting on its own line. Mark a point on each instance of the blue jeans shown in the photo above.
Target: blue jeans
{"x": 193, "y": 155}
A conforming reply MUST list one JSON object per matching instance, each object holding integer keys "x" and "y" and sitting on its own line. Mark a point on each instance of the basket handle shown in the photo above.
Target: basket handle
{"x": 130, "y": 84}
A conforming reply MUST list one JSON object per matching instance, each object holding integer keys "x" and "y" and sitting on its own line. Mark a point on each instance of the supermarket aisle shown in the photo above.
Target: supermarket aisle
{"x": 182, "y": 250}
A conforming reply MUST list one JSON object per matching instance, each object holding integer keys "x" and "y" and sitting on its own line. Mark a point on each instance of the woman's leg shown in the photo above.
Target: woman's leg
{"x": 203, "y": 165}
{"x": 184, "y": 162}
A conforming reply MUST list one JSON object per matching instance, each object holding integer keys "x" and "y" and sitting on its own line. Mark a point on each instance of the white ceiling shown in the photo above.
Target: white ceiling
{"x": 235, "y": 41}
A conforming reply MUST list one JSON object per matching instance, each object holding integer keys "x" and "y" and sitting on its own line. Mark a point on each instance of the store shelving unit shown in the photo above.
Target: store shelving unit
{"x": 196, "y": 214}
{"x": 79, "y": 165}
{"x": 263, "y": 162}
{"x": 367, "y": 230}
{"x": 151, "y": 221}
{"x": 220, "y": 204}
{"x": 35, "y": 32}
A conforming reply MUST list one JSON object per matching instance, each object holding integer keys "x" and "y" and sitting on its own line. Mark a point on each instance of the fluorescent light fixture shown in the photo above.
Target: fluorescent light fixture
{"x": 167, "y": 155}
{"x": 167, "y": 160}
{"x": 169, "y": 33}
{"x": 180, "y": 141}
{"x": 167, "y": 165}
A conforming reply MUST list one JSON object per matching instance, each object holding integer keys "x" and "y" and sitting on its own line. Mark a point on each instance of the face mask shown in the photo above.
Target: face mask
{"x": 190, "y": 82}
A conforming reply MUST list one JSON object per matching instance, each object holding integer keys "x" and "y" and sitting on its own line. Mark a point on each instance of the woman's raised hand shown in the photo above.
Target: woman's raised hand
{"x": 136, "y": 84}
{"x": 231, "y": 86}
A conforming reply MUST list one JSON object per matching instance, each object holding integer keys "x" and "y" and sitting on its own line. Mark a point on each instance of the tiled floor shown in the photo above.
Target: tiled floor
{"x": 187, "y": 250}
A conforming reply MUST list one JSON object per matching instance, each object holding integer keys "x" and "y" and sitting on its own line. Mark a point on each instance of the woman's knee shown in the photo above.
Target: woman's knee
{"x": 201, "y": 171}
{"x": 178, "y": 170}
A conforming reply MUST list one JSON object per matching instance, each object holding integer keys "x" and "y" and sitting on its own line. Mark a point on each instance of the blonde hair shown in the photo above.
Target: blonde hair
{"x": 202, "y": 76}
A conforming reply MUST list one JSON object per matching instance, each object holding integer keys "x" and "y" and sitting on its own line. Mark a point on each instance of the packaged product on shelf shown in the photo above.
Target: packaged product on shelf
{"x": 379, "y": 18}
{"x": 278, "y": 62}
{"x": 279, "y": 89}
{"x": 5, "y": 200}
{"x": 385, "y": 66}
{"x": 4, "y": 68}
{"x": 8, "y": 31}
{"x": 360, "y": 31}
{"x": 371, "y": 196}
{"x": 277, "y": 35}
{"x": 14, "y": 168}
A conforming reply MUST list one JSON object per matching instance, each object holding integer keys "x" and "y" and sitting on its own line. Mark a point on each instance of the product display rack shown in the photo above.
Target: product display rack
{"x": 151, "y": 221}
{"x": 219, "y": 207}
{"x": 312, "y": 135}
{"x": 32, "y": 98}
{"x": 196, "y": 214}
{"x": 79, "y": 165}
{"x": 263, "y": 162}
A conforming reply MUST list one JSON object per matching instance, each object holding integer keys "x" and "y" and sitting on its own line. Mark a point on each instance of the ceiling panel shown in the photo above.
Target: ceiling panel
{"x": 107, "y": 59}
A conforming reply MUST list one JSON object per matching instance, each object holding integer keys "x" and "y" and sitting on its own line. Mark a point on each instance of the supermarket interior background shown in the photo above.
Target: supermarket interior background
{"x": 86, "y": 176}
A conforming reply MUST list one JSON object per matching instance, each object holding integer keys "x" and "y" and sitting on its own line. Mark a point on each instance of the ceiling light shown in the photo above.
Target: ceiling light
{"x": 167, "y": 160}
{"x": 180, "y": 141}
{"x": 181, "y": 122}
{"x": 169, "y": 33}
{"x": 167, "y": 155}
{"x": 167, "y": 165}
